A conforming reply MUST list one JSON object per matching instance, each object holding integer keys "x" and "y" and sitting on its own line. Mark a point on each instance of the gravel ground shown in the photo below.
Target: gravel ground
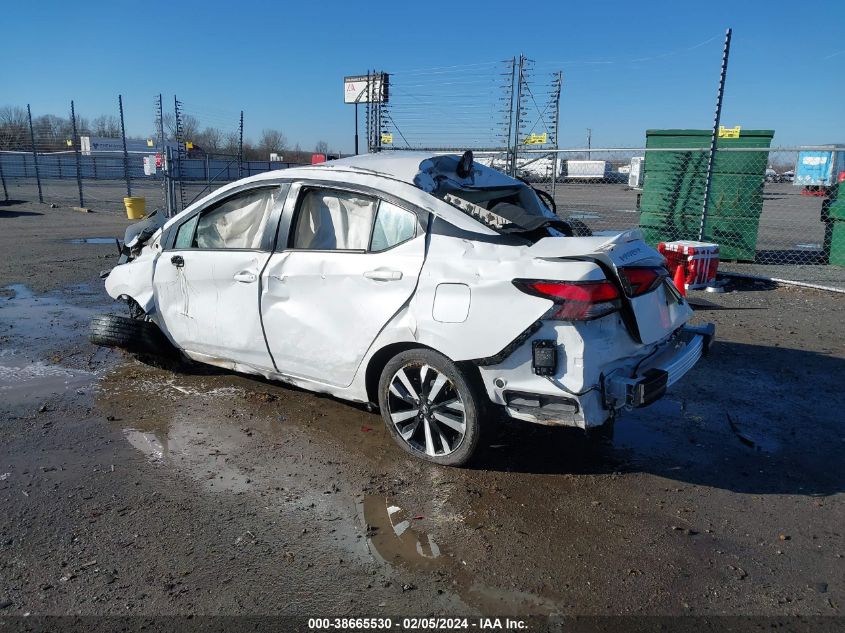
{"x": 133, "y": 489}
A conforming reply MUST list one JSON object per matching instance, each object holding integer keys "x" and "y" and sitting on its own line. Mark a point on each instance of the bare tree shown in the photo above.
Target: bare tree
{"x": 14, "y": 127}
{"x": 321, "y": 147}
{"x": 272, "y": 141}
{"x": 190, "y": 127}
{"x": 106, "y": 125}
{"x": 211, "y": 139}
{"x": 169, "y": 123}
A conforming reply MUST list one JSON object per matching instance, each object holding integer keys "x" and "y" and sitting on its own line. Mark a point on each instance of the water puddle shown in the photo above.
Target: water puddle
{"x": 94, "y": 240}
{"x": 22, "y": 380}
{"x": 395, "y": 536}
{"x": 42, "y": 344}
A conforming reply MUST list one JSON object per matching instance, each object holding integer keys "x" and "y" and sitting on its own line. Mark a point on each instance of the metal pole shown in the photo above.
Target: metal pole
{"x": 241, "y": 145}
{"x": 589, "y": 142}
{"x": 34, "y": 154}
{"x": 125, "y": 153}
{"x": 3, "y": 180}
{"x": 557, "y": 130}
{"x": 518, "y": 114}
{"x": 510, "y": 115}
{"x": 162, "y": 153}
{"x": 356, "y": 127}
{"x": 715, "y": 135}
{"x": 76, "y": 154}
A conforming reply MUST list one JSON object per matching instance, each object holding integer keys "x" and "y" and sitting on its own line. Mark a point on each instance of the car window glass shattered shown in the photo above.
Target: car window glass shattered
{"x": 238, "y": 222}
{"x": 394, "y": 225}
{"x": 334, "y": 220}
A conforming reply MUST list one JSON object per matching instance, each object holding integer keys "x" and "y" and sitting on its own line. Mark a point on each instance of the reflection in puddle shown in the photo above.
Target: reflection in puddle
{"x": 147, "y": 443}
{"x": 397, "y": 539}
{"x": 31, "y": 329}
{"x": 93, "y": 240}
{"x": 190, "y": 447}
{"x": 394, "y": 537}
{"x": 21, "y": 378}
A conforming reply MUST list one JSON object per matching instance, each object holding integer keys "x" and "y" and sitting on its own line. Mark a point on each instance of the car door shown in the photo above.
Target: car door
{"x": 351, "y": 260}
{"x": 207, "y": 281}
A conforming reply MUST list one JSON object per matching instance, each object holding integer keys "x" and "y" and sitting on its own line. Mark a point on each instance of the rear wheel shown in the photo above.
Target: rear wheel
{"x": 430, "y": 406}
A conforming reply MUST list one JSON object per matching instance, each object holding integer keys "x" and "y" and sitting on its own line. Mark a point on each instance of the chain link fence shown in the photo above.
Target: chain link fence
{"x": 763, "y": 207}
{"x": 78, "y": 161}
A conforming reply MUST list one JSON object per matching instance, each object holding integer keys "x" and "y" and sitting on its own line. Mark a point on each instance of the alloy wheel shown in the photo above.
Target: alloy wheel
{"x": 426, "y": 409}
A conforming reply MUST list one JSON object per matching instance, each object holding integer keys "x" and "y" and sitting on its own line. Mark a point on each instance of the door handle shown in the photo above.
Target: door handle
{"x": 178, "y": 261}
{"x": 245, "y": 277}
{"x": 384, "y": 275}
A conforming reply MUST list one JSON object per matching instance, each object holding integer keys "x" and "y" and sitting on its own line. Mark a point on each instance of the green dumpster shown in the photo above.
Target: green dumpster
{"x": 836, "y": 226}
{"x": 674, "y": 184}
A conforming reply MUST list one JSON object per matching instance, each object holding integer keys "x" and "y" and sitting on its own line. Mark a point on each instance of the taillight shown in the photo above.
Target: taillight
{"x": 574, "y": 300}
{"x": 639, "y": 280}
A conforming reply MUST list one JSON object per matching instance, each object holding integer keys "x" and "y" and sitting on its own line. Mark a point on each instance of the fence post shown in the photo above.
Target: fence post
{"x": 34, "y": 154}
{"x": 241, "y": 145}
{"x": 76, "y": 153}
{"x": 716, "y": 119}
{"x": 125, "y": 153}
{"x": 3, "y": 179}
{"x": 518, "y": 114}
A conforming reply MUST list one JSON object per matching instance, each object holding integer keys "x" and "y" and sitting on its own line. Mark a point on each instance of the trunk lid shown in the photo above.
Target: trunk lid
{"x": 655, "y": 314}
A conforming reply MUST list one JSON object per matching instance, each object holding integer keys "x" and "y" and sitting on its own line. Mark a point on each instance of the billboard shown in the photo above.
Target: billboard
{"x": 355, "y": 88}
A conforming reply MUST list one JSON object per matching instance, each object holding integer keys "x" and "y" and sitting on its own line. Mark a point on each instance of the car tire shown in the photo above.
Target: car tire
{"x": 443, "y": 425}
{"x": 133, "y": 335}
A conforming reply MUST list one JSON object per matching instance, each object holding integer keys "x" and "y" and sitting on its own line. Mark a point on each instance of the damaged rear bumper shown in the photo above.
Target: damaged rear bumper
{"x": 646, "y": 386}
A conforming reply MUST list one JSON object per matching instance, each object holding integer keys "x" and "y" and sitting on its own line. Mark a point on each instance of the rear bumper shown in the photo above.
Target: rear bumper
{"x": 649, "y": 384}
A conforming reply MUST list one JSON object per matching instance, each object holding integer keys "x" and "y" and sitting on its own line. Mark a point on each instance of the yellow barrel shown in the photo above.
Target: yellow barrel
{"x": 135, "y": 207}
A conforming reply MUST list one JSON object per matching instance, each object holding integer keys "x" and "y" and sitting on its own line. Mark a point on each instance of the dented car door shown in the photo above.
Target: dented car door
{"x": 208, "y": 277}
{"x": 346, "y": 262}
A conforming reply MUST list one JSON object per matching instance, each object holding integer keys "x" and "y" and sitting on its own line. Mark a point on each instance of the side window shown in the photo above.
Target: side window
{"x": 327, "y": 219}
{"x": 185, "y": 234}
{"x": 237, "y": 222}
{"x": 393, "y": 226}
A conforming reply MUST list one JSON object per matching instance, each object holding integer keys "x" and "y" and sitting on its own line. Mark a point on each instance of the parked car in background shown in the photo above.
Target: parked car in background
{"x": 430, "y": 286}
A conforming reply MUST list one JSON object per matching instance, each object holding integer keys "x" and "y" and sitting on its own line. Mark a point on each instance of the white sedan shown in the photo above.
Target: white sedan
{"x": 430, "y": 286}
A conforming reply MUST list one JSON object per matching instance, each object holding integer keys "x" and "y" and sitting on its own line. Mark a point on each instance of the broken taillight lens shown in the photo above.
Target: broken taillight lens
{"x": 574, "y": 300}
{"x": 638, "y": 280}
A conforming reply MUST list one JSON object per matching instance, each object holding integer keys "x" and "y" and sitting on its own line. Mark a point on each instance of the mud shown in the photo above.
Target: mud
{"x": 133, "y": 489}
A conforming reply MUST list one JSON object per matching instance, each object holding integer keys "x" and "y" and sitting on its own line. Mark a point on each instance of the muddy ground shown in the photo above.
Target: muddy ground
{"x": 131, "y": 489}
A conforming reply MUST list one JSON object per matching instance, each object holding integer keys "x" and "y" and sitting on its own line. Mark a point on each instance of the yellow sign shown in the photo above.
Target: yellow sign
{"x": 189, "y": 145}
{"x": 149, "y": 142}
{"x": 729, "y": 132}
{"x": 387, "y": 139}
{"x": 69, "y": 143}
{"x": 536, "y": 139}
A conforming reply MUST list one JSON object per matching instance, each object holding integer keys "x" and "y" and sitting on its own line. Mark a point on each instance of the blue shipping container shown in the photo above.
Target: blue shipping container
{"x": 819, "y": 168}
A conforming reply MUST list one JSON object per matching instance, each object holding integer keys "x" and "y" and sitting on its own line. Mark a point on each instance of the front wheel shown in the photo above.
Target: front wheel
{"x": 430, "y": 406}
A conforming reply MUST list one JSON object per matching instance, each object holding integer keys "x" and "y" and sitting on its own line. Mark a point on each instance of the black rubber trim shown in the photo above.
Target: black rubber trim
{"x": 510, "y": 347}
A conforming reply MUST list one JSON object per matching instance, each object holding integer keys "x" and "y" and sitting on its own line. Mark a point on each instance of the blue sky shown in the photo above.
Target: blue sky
{"x": 628, "y": 66}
